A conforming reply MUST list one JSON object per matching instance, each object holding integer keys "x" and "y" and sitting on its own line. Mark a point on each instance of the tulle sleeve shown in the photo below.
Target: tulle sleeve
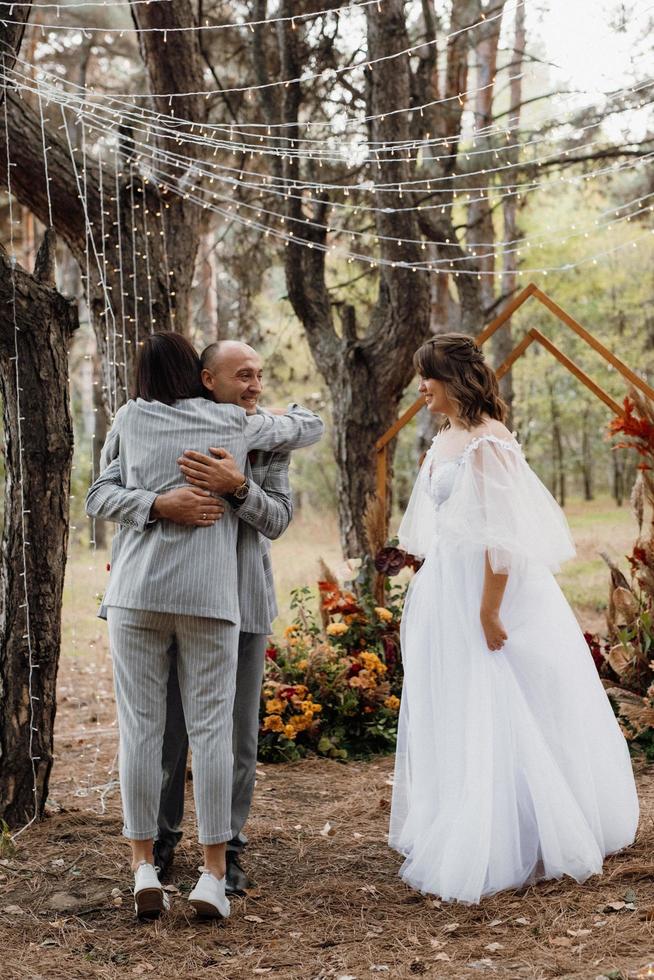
{"x": 418, "y": 526}
{"x": 499, "y": 504}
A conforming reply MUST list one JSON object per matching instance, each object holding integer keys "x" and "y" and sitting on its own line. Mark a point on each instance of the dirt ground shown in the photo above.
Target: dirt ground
{"x": 329, "y": 902}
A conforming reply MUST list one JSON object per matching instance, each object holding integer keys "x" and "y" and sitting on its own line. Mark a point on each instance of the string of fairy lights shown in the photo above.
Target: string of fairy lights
{"x": 122, "y": 142}
{"x": 293, "y": 20}
{"x": 273, "y": 187}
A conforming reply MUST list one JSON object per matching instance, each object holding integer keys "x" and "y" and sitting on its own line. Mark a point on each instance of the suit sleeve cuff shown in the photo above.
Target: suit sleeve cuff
{"x": 146, "y": 498}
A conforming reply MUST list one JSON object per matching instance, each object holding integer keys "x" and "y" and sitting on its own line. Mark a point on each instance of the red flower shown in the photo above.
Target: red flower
{"x": 272, "y": 653}
{"x": 335, "y": 601}
{"x": 390, "y": 561}
{"x": 639, "y": 431}
{"x": 637, "y": 557}
{"x": 595, "y": 649}
{"x": 355, "y": 668}
{"x": 390, "y": 651}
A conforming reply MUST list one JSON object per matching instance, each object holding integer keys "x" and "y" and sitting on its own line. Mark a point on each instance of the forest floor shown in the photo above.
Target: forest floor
{"x": 329, "y": 903}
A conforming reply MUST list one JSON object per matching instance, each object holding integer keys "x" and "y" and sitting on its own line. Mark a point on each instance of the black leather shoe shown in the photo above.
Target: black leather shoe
{"x": 164, "y": 855}
{"x": 237, "y": 881}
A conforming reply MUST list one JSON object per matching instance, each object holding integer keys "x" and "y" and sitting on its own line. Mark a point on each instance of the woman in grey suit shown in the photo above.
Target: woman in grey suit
{"x": 170, "y": 582}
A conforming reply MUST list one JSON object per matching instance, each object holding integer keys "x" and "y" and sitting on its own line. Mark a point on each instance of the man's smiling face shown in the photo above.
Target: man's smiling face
{"x": 234, "y": 375}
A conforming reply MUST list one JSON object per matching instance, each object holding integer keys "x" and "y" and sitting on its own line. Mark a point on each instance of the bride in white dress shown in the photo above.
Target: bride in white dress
{"x": 510, "y": 764}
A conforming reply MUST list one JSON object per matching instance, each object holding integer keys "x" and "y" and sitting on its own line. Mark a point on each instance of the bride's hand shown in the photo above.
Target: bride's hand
{"x": 496, "y": 635}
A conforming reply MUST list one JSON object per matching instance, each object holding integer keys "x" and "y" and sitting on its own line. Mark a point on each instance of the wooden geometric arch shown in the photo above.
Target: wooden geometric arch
{"x": 530, "y": 337}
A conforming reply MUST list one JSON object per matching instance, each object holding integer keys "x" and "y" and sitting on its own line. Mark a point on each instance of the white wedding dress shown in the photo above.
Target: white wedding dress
{"x": 510, "y": 766}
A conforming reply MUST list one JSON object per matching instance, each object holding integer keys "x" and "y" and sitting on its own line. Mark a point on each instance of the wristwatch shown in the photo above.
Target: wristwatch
{"x": 239, "y": 495}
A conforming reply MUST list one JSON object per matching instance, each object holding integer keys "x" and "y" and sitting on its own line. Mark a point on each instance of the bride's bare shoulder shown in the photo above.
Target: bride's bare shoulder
{"x": 493, "y": 427}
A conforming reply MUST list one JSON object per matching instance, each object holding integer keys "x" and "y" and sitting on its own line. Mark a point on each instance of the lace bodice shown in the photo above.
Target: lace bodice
{"x": 441, "y": 479}
{"x": 441, "y": 473}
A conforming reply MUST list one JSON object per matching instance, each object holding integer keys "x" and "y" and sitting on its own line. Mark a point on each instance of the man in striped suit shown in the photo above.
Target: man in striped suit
{"x": 261, "y": 498}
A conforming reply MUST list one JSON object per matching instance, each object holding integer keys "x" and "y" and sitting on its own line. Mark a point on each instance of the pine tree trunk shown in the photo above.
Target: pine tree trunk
{"x": 39, "y": 448}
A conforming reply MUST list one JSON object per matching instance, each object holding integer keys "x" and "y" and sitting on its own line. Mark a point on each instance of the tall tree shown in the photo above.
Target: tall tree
{"x": 366, "y": 366}
{"x": 35, "y": 327}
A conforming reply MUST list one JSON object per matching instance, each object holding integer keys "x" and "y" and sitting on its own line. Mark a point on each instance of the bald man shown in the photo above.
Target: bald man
{"x": 261, "y": 498}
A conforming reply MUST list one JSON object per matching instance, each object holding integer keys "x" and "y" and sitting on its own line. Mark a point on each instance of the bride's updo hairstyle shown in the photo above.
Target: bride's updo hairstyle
{"x": 168, "y": 369}
{"x": 470, "y": 383}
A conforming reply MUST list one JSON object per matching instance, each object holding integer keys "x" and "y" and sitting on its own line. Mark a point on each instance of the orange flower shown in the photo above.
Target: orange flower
{"x": 392, "y": 702}
{"x": 273, "y": 723}
{"x": 336, "y": 629}
{"x": 372, "y": 662}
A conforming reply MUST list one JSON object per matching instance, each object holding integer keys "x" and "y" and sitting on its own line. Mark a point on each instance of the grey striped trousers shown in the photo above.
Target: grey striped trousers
{"x": 206, "y": 667}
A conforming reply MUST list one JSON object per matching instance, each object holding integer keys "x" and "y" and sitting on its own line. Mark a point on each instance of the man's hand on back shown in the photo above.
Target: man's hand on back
{"x": 217, "y": 473}
{"x": 188, "y": 506}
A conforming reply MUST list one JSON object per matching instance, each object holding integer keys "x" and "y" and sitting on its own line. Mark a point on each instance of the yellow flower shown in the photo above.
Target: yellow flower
{"x": 293, "y": 628}
{"x": 384, "y": 614}
{"x": 336, "y": 629}
{"x": 392, "y": 702}
{"x": 372, "y": 662}
{"x": 273, "y": 723}
{"x": 289, "y": 731}
{"x": 310, "y": 707}
{"x": 302, "y": 664}
{"x": 275, "y": 706}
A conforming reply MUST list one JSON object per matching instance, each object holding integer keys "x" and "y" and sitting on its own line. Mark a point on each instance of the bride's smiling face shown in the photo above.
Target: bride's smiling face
{"x": 435, "y": 395}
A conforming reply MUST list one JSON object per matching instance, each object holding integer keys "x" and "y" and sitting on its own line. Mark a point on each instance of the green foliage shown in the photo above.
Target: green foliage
{"x": 610, "y": 299}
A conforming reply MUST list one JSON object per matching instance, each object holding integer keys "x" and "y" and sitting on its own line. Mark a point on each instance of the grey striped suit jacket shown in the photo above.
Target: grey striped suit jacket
{"x": 264, "y": 516}
{"x": 166, "y": 567}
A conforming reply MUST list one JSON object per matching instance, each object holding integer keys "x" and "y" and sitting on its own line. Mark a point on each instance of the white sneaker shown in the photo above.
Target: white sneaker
{"x": 208, "y": 897}
{"x": 150, "y": 900}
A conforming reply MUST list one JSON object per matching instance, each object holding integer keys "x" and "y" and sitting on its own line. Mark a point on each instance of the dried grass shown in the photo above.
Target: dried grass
{"x": 328, "y": 906}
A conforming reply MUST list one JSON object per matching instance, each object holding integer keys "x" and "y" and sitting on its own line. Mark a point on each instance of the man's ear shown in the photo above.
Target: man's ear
{"x": 207, "y": 379}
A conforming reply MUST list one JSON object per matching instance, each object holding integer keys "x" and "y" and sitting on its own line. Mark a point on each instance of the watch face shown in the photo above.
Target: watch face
{"x": 241, "y": 492}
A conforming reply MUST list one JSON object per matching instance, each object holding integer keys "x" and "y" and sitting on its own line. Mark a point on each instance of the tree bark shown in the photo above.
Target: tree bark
{"x": 444, "y": 121}
{"x": 503, "y": 340}
{"x": 366, "y": 368}
{"x": 558, "y": 454}
{"x": 481, "y": 232}
{"x": 587, "y": 454}
{"x": 38, "y": 456}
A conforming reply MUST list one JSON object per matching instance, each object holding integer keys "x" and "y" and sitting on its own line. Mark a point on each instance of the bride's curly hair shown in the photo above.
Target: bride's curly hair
{"x": 470, "y": 383}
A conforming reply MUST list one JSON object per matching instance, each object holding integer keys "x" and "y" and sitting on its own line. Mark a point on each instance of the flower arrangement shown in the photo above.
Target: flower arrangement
{"x": 626, "y": 656}
{"x": 333, "y": 680}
